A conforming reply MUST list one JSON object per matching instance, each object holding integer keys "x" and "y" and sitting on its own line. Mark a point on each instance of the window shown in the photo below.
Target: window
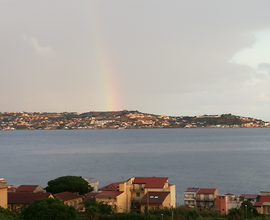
{"x": 153, "y": 197}
{"x": 137, "y": 194}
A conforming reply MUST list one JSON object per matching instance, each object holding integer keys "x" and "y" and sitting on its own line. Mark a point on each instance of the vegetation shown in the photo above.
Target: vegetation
{"x": 54, "y": 209}
{"x": 49, "y": 209}
{"x": 248, "y": 209}
{"x": 235, "y": 214}
{"x": 6, "y": 214}
{"x": 94, "y": 210}
{"x": 74, "y": 184}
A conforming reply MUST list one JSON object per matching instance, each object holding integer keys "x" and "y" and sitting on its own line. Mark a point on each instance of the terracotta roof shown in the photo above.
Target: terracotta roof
{"x": 111, "y": 187}
{"x": 110, "y": 194}
{"x": 156, "y": 198}
{"x": 248, "y": 196}
{"x": 151, "y": 182}
{"x": 206, "y": 190}
{"x": 192, "y": 189}
{"x": 90, "y": 195}
{"x": 229, "y": 194}
{"x": 25, "y": 197}
{"x": 262, "y": 199}
{"x": 66, "y": 196}
{"x": 27, "y": 188}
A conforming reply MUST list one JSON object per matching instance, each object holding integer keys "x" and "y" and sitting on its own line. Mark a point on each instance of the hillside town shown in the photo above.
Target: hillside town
{"x": 137, "y": 194}
{"x": 120, "y": 120}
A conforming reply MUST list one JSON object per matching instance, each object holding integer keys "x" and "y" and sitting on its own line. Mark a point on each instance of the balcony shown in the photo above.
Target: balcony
{"x": 136, "y": 188}
{"x": 205, "y": 199}
{"x": 189, "y": 198}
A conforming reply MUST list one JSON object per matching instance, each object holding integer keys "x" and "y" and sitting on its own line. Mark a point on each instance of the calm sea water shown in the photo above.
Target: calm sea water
{"x": 232, "y": 160}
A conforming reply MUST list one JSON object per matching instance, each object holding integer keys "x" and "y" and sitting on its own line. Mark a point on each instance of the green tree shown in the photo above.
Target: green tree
{"x": 235, "y": 214}
{"x": 74, "y": 184}
{"x": 248, "y": 209}
{"x": 6, "y": 214}
{"x": 49, "y": 209}
{"x": 93, "y": 209}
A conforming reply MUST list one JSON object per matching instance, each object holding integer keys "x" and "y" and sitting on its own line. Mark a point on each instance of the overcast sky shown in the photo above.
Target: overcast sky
{"x": 163, "y": 57}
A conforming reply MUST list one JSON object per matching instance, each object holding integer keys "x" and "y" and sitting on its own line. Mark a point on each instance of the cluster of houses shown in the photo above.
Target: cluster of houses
{"x": 114, "y": 120}
{"x": 137, "y": 194}
{"x": 209, "y": 198}
{"x": 119, "y": 120}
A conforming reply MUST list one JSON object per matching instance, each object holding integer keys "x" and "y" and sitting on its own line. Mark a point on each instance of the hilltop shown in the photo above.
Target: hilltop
{"x": 119, "y": 120}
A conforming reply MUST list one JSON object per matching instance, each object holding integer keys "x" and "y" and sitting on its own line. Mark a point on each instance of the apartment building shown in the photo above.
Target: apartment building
{"x": 190, "y": 197}
{"x": 143, "y": 189}
{"x": 3, "y": 193}
{"x": 137, "y": 194}
{"x": 206, "y": 198}
{"x": 263, "y": 203}
{"x": 69, "y": 198}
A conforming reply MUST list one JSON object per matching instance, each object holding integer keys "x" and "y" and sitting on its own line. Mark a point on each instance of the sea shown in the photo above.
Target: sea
{"x": 235, "y": 160}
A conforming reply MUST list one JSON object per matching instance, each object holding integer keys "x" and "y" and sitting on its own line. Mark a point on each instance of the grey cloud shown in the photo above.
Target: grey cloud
{"x": 45, "y": 51}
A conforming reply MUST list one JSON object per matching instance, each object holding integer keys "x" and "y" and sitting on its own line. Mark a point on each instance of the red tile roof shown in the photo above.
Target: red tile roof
{"x": 229, "y": 194}
{"x": 27, "y": 188}
{"x": 206, "y": 190}
{"x": 25, "y": 197}
{"x": 248, "y": 196}
{"x": 91, "y": 195}
{"x": 111, "y": 187}
{"x": 108, "y": 194}
{"x": 192, "y": 189}
{"x": 66, "y": 196}
{"x": 262, "y": 199}
{"x": 154, "y": 198}
{"x": 151, "y": 182}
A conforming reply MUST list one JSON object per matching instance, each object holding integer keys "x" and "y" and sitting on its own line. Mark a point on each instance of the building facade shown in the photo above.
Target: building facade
{"x": 138, "y": 194}
{"x": 3, "y": 193}
{"x": 206, "y": 198}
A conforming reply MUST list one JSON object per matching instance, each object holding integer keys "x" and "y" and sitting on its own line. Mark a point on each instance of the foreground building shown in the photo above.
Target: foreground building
{"x": 3, "y": 193}
{"x": 206, "y": 198}
{"x": 190, "y": 197}
{"x": 69, "y": 198}
{"x": 263, "y": 203}
{"x": 248, "y": 197}
{"x": 30, "y": 188}
{"x": 142, "y": 188}
{"x": 137, "y": 194}
{"x": 17, "y": 200}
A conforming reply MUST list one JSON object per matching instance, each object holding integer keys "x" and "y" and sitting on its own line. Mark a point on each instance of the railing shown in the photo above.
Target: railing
{"x": 204, "y": 199}
{"x": 189, "y": 197}
{"x": 134, "y": 188}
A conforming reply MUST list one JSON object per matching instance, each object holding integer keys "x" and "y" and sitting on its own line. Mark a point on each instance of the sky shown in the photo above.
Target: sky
{"x": 176, "y": 58}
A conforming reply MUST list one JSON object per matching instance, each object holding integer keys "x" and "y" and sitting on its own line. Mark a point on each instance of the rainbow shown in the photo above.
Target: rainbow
{"x": 105, "y": 68}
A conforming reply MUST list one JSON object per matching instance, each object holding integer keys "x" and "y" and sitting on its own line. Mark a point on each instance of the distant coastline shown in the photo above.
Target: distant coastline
{"x": 120, "y": 120}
